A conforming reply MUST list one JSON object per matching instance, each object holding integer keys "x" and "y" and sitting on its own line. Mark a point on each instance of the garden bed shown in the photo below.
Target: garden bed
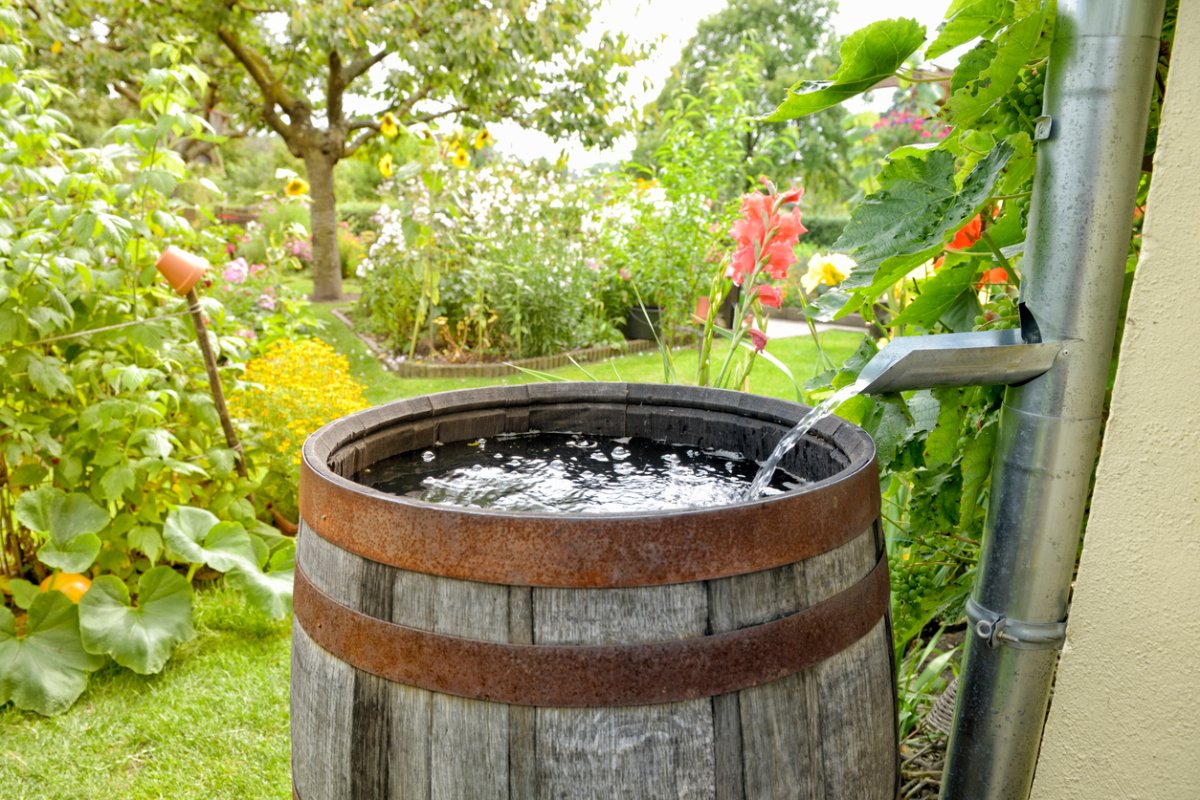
{"x": 497, "y": 369}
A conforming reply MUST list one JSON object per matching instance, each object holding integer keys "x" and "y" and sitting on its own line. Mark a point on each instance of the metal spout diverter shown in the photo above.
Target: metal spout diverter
{"x": 957, "y": 359}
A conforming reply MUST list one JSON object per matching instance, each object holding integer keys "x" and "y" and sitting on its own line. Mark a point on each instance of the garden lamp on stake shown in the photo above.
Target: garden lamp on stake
{"x": 182, "y": 270}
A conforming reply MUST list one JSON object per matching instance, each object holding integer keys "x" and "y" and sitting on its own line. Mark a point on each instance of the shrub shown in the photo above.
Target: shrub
{"x": 295, "y": 387}
{"x": 358, "y": 214}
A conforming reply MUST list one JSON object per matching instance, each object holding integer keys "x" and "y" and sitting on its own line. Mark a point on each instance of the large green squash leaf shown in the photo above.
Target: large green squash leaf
{"x": 46, "y": 669}
{"x": 139, "y": 637}
{"x": 198, "y": 537}
{"x": 918, "y": 209}
{"x": 74, "y": 556}
{"x": 868, "y": 56}
{"x": 60, "y": 515}
{"x": 269, "y": 591}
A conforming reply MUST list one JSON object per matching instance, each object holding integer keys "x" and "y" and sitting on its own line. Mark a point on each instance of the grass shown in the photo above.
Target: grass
{"x": 214, "y": 723}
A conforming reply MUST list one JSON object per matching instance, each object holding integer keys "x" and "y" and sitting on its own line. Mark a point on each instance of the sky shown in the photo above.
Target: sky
{"x": 672, "y": 23}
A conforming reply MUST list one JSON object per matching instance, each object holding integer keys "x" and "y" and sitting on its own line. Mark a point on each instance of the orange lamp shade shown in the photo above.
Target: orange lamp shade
{"x": 181, "y": 268}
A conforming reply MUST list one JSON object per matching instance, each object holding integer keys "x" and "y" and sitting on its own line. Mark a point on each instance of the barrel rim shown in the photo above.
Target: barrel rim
{"x": 586, "y": 550}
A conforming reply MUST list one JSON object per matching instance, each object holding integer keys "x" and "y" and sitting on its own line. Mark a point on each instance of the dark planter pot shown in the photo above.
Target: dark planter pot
{"x": 643, "y": 323}
{"x": 731, "y": 651}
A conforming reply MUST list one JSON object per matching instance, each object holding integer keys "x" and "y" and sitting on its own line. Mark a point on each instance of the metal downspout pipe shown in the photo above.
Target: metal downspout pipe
{"x": 1098, "y": 93}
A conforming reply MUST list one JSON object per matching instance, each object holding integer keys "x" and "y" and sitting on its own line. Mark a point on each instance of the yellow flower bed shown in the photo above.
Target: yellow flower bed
{"x": 297, "y": 387}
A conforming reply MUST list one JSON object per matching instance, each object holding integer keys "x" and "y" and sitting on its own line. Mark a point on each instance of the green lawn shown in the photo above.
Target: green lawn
{"x": 214, "y": 724}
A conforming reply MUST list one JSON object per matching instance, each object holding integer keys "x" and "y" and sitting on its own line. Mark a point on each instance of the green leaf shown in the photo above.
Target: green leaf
{"x": 62, "y": 516}
{"x": 23, "y": 592}
{"x": 938, "y": 294}
{"x": 148, "y": 540}
{"x": 48, "y": 377}
{"x": 74, "y": 556}
{"x": 867, "y": 57}
{"x": 46, "y": 669}
{"x": 270, "y": 592}
{"x": 196, "y": 536}
{"x": 1014, "y": 47}
{"x": 976, "y": 465}
{"x": 116, "y": 482}
{"x": 964, "y": 20}
{"x": 888, "y": 424}
{"x": 941, "y": 445}
{"x": 918, "y": 209}
{"x": 139, "y": 637}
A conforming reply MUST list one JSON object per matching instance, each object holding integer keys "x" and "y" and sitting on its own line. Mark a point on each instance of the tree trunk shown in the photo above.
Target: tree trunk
{"x": 326, "y": 266}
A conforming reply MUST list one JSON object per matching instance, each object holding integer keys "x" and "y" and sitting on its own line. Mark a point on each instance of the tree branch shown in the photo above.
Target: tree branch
{"x": 366, "y": 136}
{"x": 129, "y": 94}
{"x": 360, "y": 66}
{"x": 273, "y": 91}
{"x": 335, "y": 88}
{"x": 438, "y": 114}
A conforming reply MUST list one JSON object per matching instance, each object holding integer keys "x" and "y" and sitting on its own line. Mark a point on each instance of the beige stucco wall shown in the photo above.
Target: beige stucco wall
{"x": 1125, "y": 719}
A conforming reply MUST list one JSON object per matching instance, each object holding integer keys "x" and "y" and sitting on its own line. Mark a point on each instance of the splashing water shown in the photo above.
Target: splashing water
{"x": 791, "y": 438}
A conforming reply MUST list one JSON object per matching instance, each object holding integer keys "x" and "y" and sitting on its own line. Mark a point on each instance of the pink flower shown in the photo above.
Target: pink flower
{"x": 593, "y": 264}
{"x": 230, "y": 248}
{"x": 759, "y": 338}
{"x": 771, "y": 296}
{"x": 624, "y": 273}
{"x": 766, "y": 236}
{"x": 248, "y": 334}
{"x": 257, "y": 268}
{"x": 266, "y": 302}
{"x": 236, "y": 271}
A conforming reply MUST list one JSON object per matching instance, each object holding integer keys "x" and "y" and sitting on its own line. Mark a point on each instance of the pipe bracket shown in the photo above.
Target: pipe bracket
{"x": 1043, "y": 126}
{"x": 998, "y": 630}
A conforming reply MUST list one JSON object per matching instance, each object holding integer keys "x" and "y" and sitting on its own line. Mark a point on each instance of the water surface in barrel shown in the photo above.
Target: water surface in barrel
{"x": 570, "y": 473}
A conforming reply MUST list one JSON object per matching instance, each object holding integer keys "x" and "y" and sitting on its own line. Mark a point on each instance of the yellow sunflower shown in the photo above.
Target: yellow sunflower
{"x": 386, "y": 167}
{"x": 296, "y": 187}
{"x": 460, "y": 159}
{"x": 388, "y": 126}
{"x": 483, "y": 139}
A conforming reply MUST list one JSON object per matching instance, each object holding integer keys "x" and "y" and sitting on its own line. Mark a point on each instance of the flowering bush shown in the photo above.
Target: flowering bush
{"x": 295, "y": 387}
{"x": 492, "y": 261}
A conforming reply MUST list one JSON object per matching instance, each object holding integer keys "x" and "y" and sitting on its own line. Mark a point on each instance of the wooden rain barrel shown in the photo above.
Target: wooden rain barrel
{"x": 739, "y": 652}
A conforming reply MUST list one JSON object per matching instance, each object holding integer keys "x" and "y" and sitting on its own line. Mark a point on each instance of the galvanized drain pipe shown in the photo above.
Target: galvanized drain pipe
{"x": 1097, "y": 98}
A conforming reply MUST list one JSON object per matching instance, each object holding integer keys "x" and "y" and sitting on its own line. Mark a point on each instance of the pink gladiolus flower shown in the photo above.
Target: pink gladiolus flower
{"x": 766, "y": 235}
{"x": 236, "y": 271}
{"x": 771, "y": 296}
{"x": 759, "y": 338}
